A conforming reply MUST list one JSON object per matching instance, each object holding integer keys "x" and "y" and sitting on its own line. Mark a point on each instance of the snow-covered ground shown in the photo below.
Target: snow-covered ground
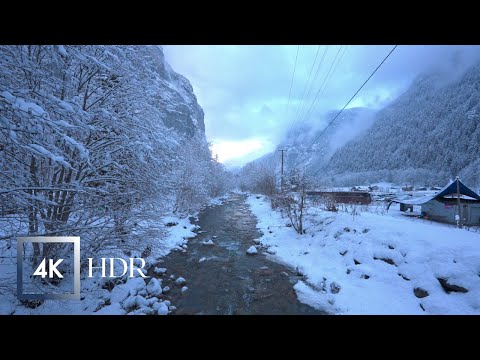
{"x": 178, "y": 234}
{"x": 217, "y": 201}
{"x": 129, "y": 296}
{"x": 132, "y": 296}
{"x": 376, "y": 263}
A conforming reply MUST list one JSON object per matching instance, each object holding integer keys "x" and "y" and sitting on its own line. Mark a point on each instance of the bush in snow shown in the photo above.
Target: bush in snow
{"x": 329, "y": 203}
{"x": 258, "y": 178}
{"x": 293, "y": 201}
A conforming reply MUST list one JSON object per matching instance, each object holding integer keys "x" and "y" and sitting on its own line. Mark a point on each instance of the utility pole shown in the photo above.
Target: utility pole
{"x": 460, "y": 221}
{"x": 281, "y": 179}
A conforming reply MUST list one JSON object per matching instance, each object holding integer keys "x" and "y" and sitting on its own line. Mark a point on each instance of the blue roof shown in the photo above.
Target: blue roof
{"x": 450, "y": 189}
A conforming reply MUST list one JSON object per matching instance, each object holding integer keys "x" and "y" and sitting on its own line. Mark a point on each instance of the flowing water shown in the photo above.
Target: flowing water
{"x": 229, "y": 281}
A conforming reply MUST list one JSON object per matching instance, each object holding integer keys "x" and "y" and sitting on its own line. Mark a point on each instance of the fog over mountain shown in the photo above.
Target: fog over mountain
{"x": 251, "y": 102}
{"x": 427, "y": 135}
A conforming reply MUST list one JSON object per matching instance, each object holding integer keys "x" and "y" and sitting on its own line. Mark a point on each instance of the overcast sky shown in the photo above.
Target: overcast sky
{"x": 244, "y": 90}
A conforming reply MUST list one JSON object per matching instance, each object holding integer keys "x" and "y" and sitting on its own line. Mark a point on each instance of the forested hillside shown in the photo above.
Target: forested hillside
{"x": 428, "y": 135}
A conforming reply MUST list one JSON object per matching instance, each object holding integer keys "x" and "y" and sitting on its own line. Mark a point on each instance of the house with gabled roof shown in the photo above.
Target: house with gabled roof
{"x": 455, "y": 203}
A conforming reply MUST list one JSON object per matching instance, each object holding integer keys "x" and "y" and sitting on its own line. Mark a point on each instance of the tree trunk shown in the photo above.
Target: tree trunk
{"x": 300, "y": 226}
{"x": 36, "y": 253}
{"x": 32, "y": 213}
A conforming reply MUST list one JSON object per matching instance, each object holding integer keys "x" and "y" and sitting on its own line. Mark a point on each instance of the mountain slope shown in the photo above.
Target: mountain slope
{"x": 170, "y": 93}
{"x": 351, "y": 122}
{"x": 429, "y": 134}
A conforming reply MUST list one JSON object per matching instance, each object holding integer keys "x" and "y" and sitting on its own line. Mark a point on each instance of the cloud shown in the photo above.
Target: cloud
{"x": 235, "y": 153}
{"x": 244, "y": 90}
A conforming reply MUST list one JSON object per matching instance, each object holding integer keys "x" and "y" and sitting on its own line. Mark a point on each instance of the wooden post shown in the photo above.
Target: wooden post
{"x": 281, "y": 179}
{"x": 458, "y": 202}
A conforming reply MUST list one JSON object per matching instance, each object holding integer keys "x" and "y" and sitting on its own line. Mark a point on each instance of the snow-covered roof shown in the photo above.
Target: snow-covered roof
{"x": 454, "y": 196}
{"x": 415, "y": 201}
{"x": 448, "y": 191}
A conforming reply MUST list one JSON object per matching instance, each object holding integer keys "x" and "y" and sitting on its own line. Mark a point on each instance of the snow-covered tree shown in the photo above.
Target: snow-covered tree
{"x": 293, "y": 200}
{"x": 98, "y": 141}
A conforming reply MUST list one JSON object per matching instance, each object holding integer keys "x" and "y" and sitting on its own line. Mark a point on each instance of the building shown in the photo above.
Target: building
{"x": 343, "y": 197}
{"x": 444, "y": 205}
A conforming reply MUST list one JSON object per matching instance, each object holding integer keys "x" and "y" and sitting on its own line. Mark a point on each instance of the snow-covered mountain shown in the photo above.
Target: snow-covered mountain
{"x": 351, "y": 123}
{"x": 168, "y": 92}
{"x": 428, "y": 135}
{"x": 175, "y": 96}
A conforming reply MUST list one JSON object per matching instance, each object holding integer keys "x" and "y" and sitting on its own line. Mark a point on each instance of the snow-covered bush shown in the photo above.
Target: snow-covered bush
{"x": 293, "y": 201}
{"x": 258, "y": 178}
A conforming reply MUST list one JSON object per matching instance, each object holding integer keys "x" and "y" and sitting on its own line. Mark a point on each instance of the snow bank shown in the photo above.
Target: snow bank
{"x": 216, "y": 201}
{"x": 377, "y": 261}
{"x": 6, "y": 308}
{"x": 153, "y": 287}
{"x": 119, "y": 293}
{"x": 114, "y": 309}
{"x": 177, "y": 234}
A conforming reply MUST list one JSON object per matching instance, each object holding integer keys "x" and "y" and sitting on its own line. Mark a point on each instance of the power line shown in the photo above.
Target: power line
{"x": 317, "y": 72}
{"x": 361, "y": 87}
{"x": 293, "y": 76}
{"x": 326, "y": 80}
{"x": 298, "y": 116}
{"x": 301, "y": 105}
{"x": 338, "y": 114}
{"x": 334, "y": 69}
{"x": 321, "y": 87}
{"x": 308, "y": 80}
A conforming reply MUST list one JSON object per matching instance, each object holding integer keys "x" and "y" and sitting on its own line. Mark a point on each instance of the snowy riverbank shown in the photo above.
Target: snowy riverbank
{"x": 376, "y": 264}
{"x": 128, "y": 296}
